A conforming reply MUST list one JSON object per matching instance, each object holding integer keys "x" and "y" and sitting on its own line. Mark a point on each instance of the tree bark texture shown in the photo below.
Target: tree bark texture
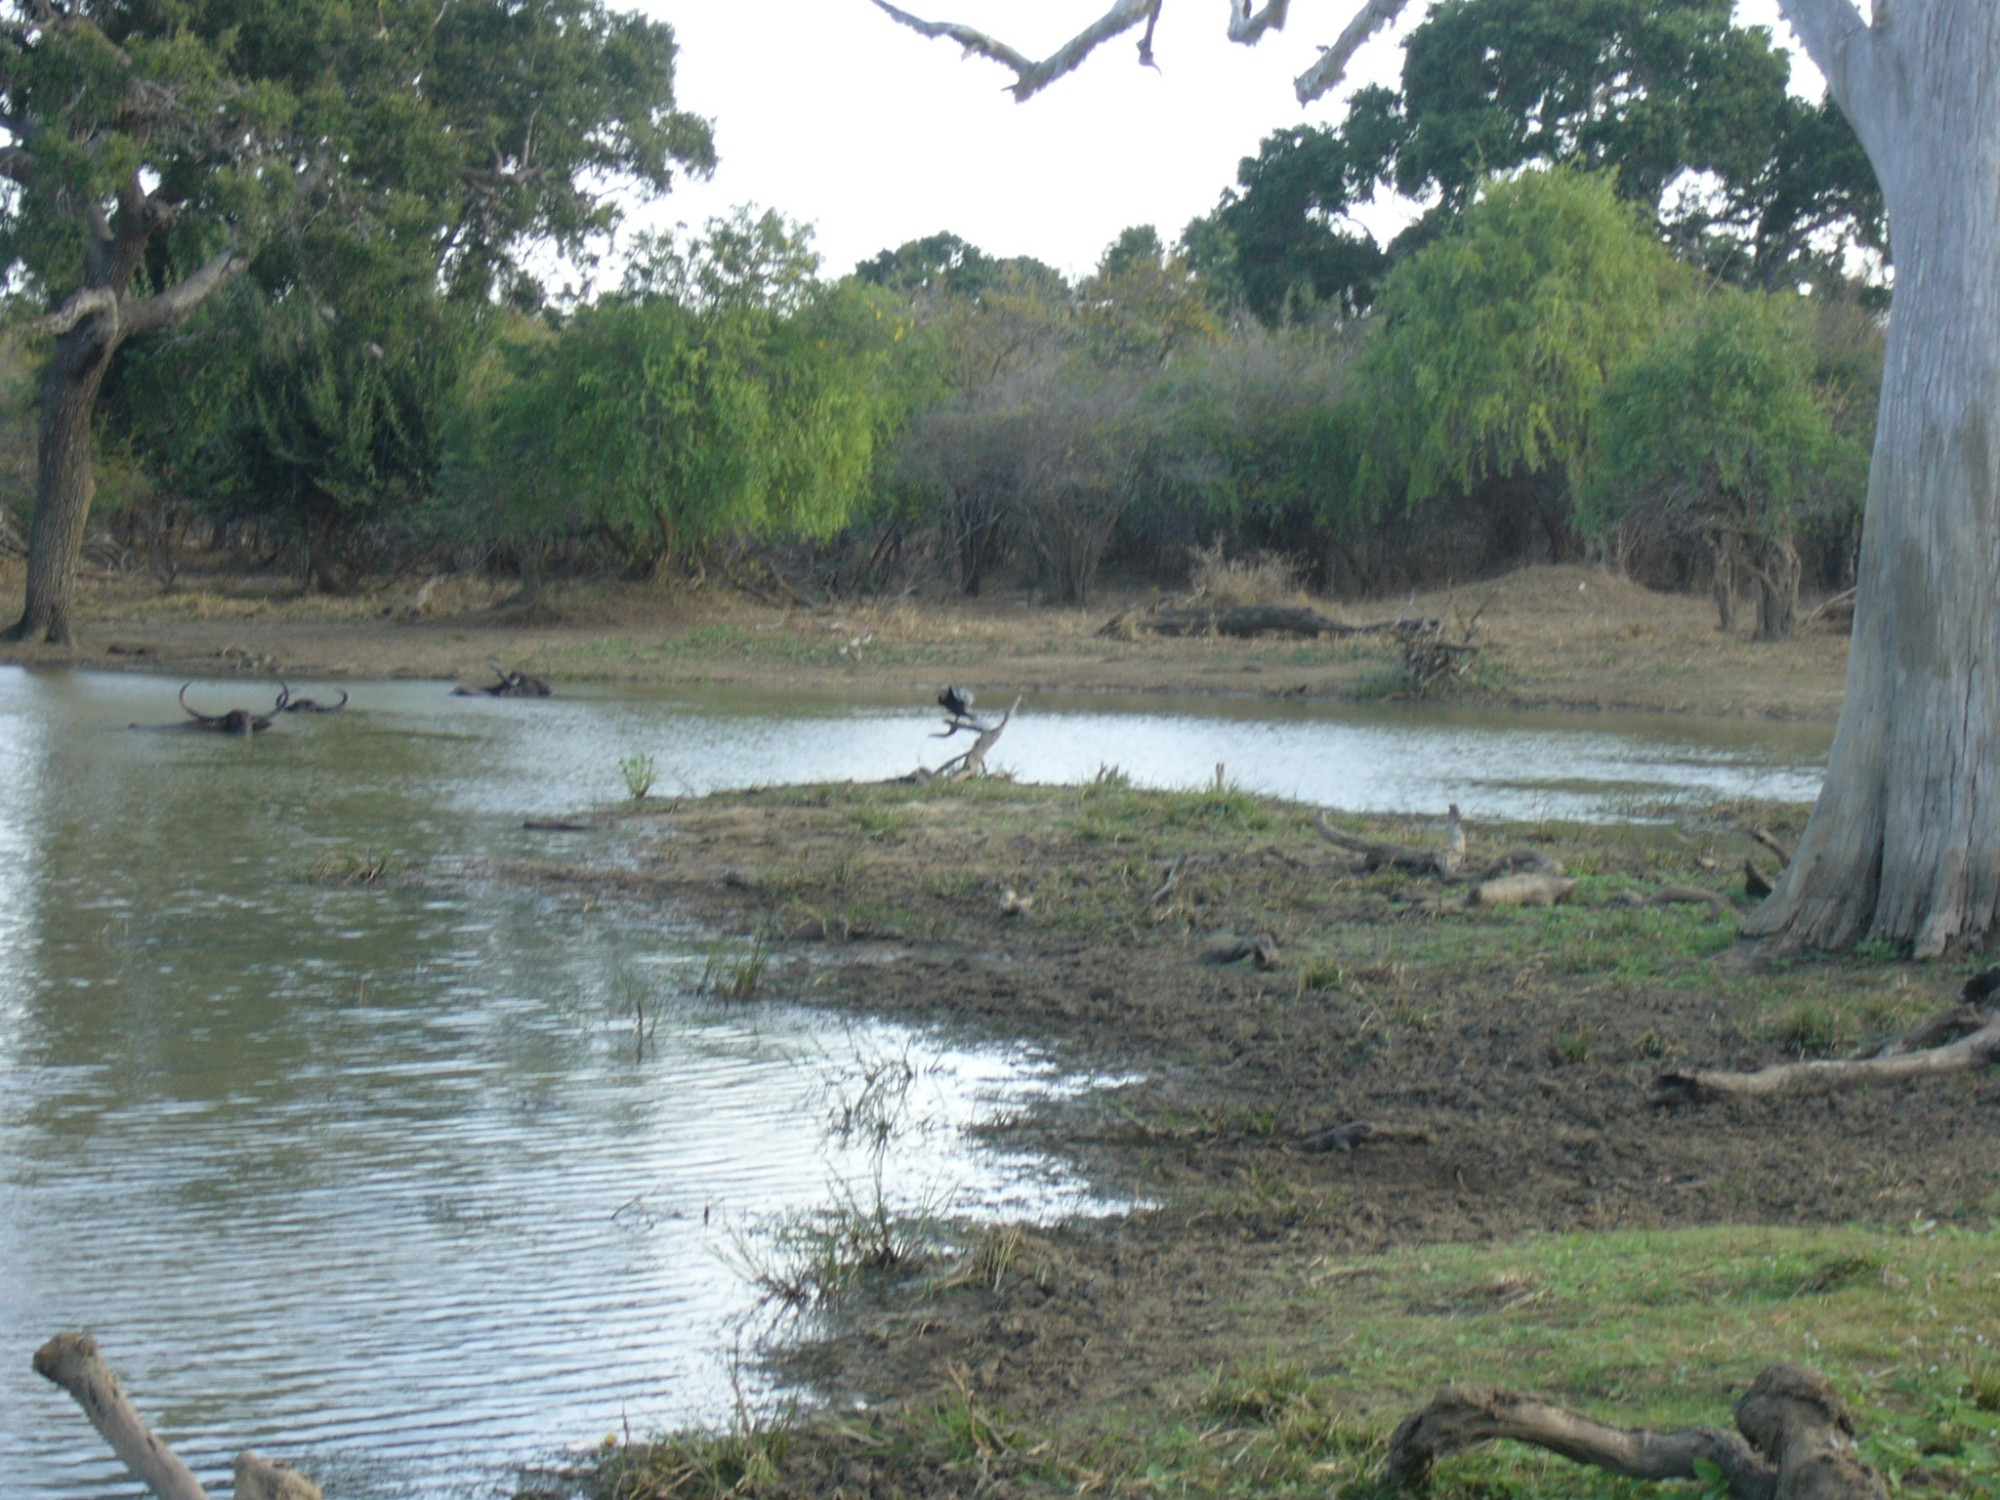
{"x": 65, "y": 479}
{"x": 89, "y": 329}
{"x": 1904, "y": 843}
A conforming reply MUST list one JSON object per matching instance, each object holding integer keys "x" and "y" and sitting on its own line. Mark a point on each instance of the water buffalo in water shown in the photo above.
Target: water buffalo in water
{"x": 510, "y": 685}
{"x": 287, "y": 704}
{"x": 235, "y": 721}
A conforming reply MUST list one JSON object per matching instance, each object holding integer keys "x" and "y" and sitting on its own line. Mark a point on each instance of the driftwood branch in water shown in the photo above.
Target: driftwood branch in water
{"x": 71, "y": 1361}
{"x": 1957, "y": 1041}
{"x": 1794, "y": 1439}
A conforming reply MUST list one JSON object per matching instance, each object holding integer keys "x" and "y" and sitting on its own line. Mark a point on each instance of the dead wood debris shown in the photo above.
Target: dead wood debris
{"x": 72, "y": 1361}
{"x": 1443, "y": 862}
{"x": 1365, "y": 1133}
{"x": 969, "y": 763}
{"x": 1673, "y": 894}
{"x": 1244, "y": 620}
{"x": 1794, "y": 1439}
{"x": 1956, "y": 1041}
{"x": 1531, "y": 889}
{"x": 1261, "y": 950}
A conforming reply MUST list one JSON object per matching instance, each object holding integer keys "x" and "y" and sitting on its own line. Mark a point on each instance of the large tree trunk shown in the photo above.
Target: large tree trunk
{"x": 1904, "y": 844}
{"x": 65, "y": 482}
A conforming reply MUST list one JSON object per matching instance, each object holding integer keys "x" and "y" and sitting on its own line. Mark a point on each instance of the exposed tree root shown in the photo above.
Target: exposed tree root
{"x": 1794, "y": 1440}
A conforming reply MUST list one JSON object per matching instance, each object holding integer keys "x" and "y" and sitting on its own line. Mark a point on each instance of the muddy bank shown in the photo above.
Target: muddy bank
{"x": 1511, "y": 1053}
{"x": 1549, "y": 637}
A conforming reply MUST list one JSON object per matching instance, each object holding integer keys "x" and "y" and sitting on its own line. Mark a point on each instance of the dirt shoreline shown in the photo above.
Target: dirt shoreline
{"x": 1511, "y": 1054}
{"x": 1550, "y": 637}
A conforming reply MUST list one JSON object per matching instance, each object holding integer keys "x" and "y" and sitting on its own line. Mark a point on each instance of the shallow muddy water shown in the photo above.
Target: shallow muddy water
{"x": 381, "y": 1179}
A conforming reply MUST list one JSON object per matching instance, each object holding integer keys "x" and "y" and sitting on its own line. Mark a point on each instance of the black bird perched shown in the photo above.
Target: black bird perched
{"x": 957, "y": 705}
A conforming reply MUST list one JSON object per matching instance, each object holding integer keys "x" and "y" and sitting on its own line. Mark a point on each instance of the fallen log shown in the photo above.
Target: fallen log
{"x": 1376, "y": 855}
{"x": 1794, "y": 1439}
{"x": 1978, "y": 1050}
{"x": 1261, "y": 950}
{"x": 1250, "y": 620}
{"x": 1523, "y": 890}
{"x": 71, "y": 1360}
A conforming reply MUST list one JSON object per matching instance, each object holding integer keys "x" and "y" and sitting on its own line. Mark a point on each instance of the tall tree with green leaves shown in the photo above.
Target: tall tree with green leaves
{"x": 1690, "y": 109}
{"x": 154, "y": 152}
{"x": 1282, "y": 238}
{"x": 1713, "y": 431}
{"x": 725, "y": 392}
{"x": 1497, "y": 340}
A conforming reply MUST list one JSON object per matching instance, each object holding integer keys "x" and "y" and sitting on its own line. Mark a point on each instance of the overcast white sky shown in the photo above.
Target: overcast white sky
{"x": 829, "y": 112}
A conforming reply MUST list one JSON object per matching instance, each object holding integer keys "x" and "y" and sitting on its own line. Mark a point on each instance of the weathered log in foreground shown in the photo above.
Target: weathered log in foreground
{"x": 1251, "y": 620}
{"x": 71, "y": 1361}
{"x": 1956, "y": 1041}
{"x": 1794, "y": 1440}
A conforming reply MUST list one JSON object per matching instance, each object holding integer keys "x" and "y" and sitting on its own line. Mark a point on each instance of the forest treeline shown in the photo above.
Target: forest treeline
{"x": 1639, "y": 319}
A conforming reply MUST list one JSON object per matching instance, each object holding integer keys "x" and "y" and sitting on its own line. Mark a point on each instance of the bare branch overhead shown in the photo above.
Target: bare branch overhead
{"x": 1031, "y": 77}
{"x": 1332, "y": 64}
{"x": 1246, "y": 25}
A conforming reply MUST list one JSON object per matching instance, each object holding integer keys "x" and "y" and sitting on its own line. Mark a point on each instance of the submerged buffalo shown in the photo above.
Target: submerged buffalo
{"x": 287, "y": 704}
{"x": 235, "y": 721}
{"x": 510, "y": 685}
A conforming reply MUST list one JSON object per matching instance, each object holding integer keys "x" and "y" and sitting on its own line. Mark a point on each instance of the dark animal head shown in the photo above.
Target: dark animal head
{"x": 236, "y": 721}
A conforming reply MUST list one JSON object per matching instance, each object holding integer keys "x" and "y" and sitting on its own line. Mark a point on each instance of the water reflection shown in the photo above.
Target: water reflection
{"x": 380, "y": 1177}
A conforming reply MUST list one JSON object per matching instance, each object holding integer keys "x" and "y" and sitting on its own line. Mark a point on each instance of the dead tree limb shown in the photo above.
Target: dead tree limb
{"x": 1245, "y": 620}
{"x": 1377, "y": 855}
{"x": 1794, "y": 1439}
{"x": 1530, "y": 889}
{"x": 1978, "y": 1050}
{"x": 71, "y": 1361}
{"x": 1765, "y": 837}
{"x": 972, "y": 762}
{"x": 1365, "y": 1133}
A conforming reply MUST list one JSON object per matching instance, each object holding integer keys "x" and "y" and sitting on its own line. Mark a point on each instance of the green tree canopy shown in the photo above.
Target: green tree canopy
{"x": 157, "y": 151}
{"x": 751, "y": 404}
{"x": 1713, "y": 431}
{"x": 1691, "y": 110}
{"x": 1281, "y": 238}
{"x": 1497, "y": 338}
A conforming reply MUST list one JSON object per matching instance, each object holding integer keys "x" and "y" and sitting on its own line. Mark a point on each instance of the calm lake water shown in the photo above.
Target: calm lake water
{"x": 378, "y": 1179}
